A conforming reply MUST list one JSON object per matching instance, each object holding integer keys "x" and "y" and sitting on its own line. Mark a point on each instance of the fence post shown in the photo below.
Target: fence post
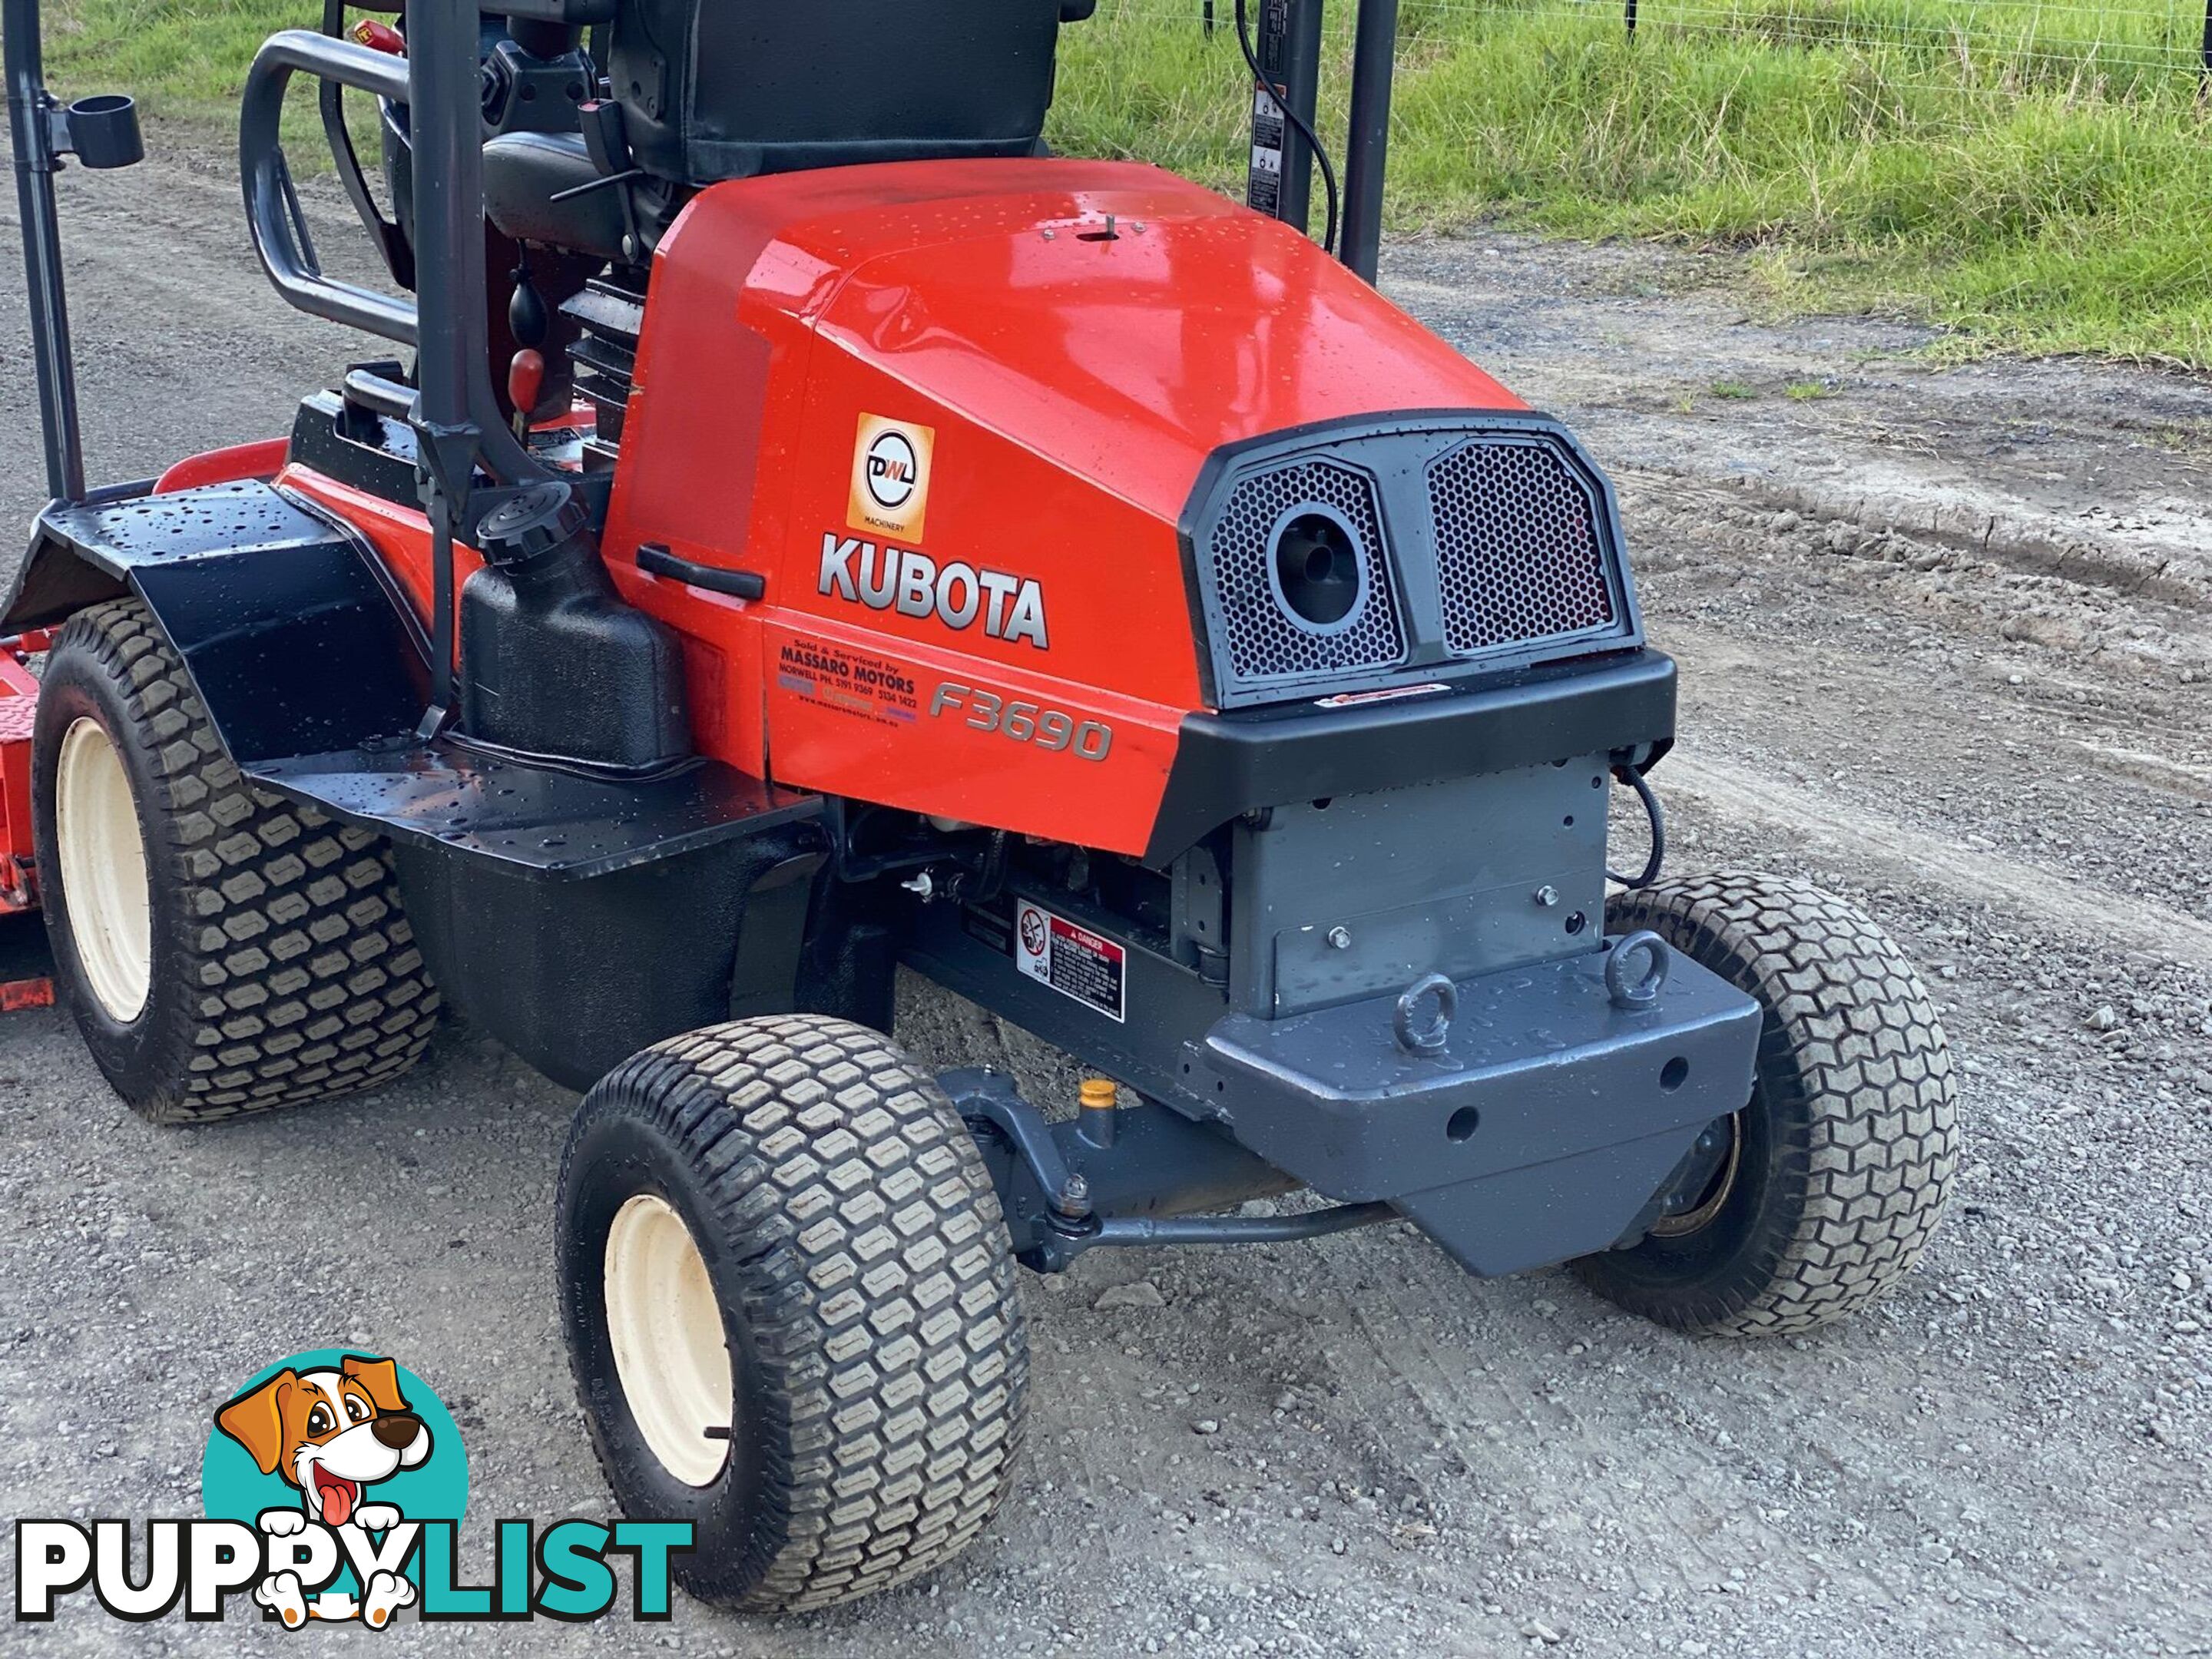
{"x": 1375, "y": 40}
{"x": 2208, "y": 23}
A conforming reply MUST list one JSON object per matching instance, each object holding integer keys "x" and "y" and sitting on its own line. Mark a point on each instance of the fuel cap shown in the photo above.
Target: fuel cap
{"x": 533, "y": 520}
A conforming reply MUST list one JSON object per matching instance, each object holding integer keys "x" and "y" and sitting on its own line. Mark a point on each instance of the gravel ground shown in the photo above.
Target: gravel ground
{"x": 1945, "y": 641}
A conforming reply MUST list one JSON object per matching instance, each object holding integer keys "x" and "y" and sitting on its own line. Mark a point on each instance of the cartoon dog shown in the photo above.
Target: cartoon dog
{"x": 332, "y": 1434}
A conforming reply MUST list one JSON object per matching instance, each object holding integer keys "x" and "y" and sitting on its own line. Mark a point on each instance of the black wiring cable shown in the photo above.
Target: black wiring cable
{"x": 1296, "y": 123}
{"x": 1634, "y": 779}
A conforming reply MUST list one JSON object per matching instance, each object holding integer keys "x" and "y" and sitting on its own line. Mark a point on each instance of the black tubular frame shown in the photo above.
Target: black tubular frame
{"x": 1366, "y": 158}
{"x": 1374, "y": 51}
{"x": 456, "y": 412}
{"x": 458, "y": 422}
{"x": 272, "y": 208}
{"x": 30, "y": 126}
{"x": 438, "y": 82}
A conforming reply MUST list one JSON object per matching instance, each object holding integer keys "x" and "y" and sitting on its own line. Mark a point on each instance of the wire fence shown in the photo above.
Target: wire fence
{"x": 1996, "y": 47}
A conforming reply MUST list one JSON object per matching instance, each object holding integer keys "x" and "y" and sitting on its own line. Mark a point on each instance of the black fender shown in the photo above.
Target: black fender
{"x": 294, "y": 641}
{"x": 577, "y": 916}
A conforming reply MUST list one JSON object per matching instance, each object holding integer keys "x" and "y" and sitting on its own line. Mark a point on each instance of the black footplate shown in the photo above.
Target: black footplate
{"x": 535, "y": 820}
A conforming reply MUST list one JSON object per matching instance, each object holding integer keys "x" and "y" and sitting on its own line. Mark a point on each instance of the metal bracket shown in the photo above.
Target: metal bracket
{"x": 983, "y": 1095}
{"x": 988, "y": 1103}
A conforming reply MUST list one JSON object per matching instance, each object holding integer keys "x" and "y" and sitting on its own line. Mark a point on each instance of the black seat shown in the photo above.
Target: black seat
{"x": 714, "y": 89}
{"x": 524, "y": 173}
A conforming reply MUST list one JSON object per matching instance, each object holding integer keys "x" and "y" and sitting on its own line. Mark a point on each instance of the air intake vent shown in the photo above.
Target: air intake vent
{"x": 1403, "y": 551}
{"x": 1519, "y": 558}
{"x": 610, "y": 318}
{"x": 1300, "y": 583}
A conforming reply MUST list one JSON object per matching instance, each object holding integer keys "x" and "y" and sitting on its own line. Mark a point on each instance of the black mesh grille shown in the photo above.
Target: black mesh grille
{"x": 1517, "y": 547}
{"x": 1264, "y": 641}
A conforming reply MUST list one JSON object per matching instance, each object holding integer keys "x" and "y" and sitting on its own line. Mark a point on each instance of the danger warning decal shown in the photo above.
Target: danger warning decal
{"x": 1074, "y": 961}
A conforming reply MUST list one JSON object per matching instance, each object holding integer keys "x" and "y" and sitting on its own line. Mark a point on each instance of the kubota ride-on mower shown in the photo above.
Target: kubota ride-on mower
{"x": 803, "y": 528}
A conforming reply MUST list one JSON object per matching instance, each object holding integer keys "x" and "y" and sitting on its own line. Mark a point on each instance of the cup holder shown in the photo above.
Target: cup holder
{"x": 103, "y": 131}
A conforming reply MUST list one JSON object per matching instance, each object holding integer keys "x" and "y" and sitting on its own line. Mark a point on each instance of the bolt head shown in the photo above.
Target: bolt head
{"x": 1339, "y": 938}
{"x": 1074, "y": 1197}
{"x": 1548, "y": 896}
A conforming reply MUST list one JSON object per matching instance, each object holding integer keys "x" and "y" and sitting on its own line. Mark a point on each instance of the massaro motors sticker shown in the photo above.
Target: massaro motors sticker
{"x": 334, "y": 1485}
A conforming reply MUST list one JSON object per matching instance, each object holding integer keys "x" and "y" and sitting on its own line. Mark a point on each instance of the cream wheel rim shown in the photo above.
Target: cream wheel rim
{"x": 665, "y": 1327}
{"x": 104, "y": 878}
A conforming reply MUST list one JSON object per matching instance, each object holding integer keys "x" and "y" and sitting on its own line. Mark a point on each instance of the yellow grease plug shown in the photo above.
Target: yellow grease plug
{"x": 1096, "y": 1114}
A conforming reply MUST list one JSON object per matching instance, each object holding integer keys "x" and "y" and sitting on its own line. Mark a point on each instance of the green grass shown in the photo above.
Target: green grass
{"x": 185, "y": 61}
{"x": 2035, "y": 175}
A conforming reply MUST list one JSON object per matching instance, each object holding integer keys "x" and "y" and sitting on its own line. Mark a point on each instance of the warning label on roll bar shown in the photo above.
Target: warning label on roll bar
{"x": 1074, "y": 961}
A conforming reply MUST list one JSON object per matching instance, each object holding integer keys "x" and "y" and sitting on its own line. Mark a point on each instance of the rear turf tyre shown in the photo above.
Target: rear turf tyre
{"x": 778, "y": 1230}
{"x": 1835, "y": 1173}
{"x": 222, "y": 952}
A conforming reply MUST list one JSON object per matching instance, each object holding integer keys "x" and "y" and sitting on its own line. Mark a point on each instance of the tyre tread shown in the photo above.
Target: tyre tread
{"x": 884, "y": 1310}
{"x": 1869, "y": 1140}
{"x": 306, "y": 980}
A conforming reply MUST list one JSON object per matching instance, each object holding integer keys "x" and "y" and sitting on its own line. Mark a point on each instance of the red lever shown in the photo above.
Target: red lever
{"x": 526, "y": 379}
{"x": 379, "y": 37}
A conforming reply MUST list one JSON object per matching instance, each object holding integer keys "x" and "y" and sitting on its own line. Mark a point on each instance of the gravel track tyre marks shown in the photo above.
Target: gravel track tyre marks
{"x": 1850, "y": 1145}
{"x": 2008, "y": 885}
{"x": 1521, "y": 1423}
{"x": 284, "y": 971}
{"x": 855, "y": 1242}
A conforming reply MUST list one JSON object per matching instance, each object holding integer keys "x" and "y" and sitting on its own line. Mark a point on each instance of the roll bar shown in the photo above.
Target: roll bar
{"x": 272, "y": 207}
{"x": 1375, "y": 44}
{"x": 1285, "y": 60}
{"x": 101, "y": 132}
{"x": 455, "y": 408}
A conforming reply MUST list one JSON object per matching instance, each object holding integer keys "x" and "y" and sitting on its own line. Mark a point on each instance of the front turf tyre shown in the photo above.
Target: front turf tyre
{"x": 1834, "y": 1177}
{"x": 790, "y": 1305}
{"x": 222, "y": 952}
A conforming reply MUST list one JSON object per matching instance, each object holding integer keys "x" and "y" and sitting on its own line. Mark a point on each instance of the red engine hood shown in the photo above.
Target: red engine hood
{"x": 993, "y": 288}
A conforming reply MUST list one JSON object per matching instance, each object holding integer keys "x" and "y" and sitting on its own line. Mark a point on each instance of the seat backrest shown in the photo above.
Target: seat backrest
{"x": 714, "y": 89}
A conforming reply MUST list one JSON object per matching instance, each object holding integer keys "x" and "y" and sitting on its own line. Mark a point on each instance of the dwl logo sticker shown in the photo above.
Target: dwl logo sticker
{"x": 891, "y": 463}
{"x": 335, "y": 1484}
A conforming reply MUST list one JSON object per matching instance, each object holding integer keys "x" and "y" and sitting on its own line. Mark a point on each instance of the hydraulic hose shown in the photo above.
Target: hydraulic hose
{"x": 1296, "y": 123}
{"x": 1634, "y": 779}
